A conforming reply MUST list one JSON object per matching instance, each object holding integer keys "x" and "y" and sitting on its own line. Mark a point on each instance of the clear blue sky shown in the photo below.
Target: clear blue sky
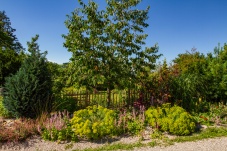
{"x": 176, "y": 25}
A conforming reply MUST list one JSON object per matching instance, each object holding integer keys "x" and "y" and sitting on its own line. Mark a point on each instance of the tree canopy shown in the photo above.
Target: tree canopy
{"x": 108, "y": 45}
{"x": 11, "y": 51}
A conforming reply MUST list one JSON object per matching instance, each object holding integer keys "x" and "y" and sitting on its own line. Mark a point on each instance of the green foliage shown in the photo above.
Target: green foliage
{"x": 200, "y": 76}
{"x": 58, "y": 127}
{"x": 7, "y": 38}
{"x": 188, "y": 89}
{"x": 159, "y": 84}
{"x": 181, "y": 123}
{"x": 172, "y": 119}
{"x": 154, "y": 116}
{"x": 135, "y": 126}
{"x": 130, "y": 121}
{"x": 156, "y": 134}
{"x": 217, "y": 114}
{"x": 94, "y": 122}
{"x": 68, "y": 103}
{"x": 58, "y": 76}
{"x": 191, "y": 62}
{"x": 3, "y": 112}
{"x": 11, "y": 51}
{"x": 216, "y": 74}
{"x": 28, "y": 92}
{"x": 106, "y": 45}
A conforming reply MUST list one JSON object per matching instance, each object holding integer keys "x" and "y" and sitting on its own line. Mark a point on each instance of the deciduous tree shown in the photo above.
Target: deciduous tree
{"x": 107, "y": 45}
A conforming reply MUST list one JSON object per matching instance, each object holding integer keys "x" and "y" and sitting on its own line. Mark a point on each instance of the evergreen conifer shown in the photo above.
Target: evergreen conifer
{"x": 27, "y": 93}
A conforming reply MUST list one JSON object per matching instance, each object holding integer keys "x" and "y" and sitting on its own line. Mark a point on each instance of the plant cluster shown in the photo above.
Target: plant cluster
{"x": 132, "y": 122}
{"x": 217, "y": 114}
{"x": 94, "y": 122}
{"x": 172, "y": 119}
{"x": 3, "y": 111}
{"x": 68, "y": 103}
{"x": 17, "y": 130}
{"x": 57, "y": 127}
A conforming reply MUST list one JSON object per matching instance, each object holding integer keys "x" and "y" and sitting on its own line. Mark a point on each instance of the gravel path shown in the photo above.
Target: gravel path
{"x": 37, "y": 144}
{"x": 215, "y": 144}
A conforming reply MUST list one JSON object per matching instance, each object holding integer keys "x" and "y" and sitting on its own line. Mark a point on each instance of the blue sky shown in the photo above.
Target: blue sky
{"x": 176, "y": 25}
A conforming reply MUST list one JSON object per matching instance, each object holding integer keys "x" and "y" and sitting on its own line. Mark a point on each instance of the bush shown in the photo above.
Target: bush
{"x": 172, "y": 119}
{"x": 57, "y": 127}
{"x": 155, "y": 116}
{"x": 3, "y": 112}
{"x": 94, "y": 122}
{"x": 62, "y": 103}
{"x": 27, "y": 93}
{"x": 181, "y": 122}
{"x": 18, "y": 130}
{"x": 132, "y": 122}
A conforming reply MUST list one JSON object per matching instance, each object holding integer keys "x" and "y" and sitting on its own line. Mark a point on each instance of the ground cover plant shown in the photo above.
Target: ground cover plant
{"x": 217, "y": 115}
{"x": 17, "y": 130}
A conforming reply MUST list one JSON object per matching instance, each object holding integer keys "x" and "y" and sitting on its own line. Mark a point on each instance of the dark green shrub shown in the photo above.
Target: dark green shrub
{"x": 28, "y": 92}
{"x": 94, "y": 122}
{"x": 63, "y": 102}
{"x": 172, "y": 119}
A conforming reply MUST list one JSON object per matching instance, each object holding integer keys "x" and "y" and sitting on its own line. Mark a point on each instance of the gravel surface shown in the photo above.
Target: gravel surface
{"x": 215, "y": 144}
{"x": 37, "y": 144}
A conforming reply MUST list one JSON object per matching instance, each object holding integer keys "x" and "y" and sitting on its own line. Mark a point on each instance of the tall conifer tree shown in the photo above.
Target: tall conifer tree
{"x": 27, "y": 92}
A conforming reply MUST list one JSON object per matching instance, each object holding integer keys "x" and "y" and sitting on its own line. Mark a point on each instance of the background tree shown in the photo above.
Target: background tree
{"x": 189, "y": 83}
{"x": 28, "y": 92}
{"x": 11, "y": 51}
{"x": 58, "y": 76}
{"x": 216, "y": 74}
{"x": 106, "y": 45}
{"x": 190, "y": 62}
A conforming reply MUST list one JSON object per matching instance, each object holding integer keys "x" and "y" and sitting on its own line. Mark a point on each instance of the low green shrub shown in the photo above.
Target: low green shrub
{"x": 217, "y": 114}
{"x": 155, "y": 116}
{"x": 3, "y": 112}
{"x": 172, "y": 119}
{"x": 135, "y": 121}
{"x": 181, "y": 122}
{"x": 135, "y": 126}
{"x": 94, "y": 122}
{"x": 57, "y": 127}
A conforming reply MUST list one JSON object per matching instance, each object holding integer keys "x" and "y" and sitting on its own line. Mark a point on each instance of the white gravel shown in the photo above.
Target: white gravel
{"x": 37, "y": 144}
{"x": 215, "y": 144}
